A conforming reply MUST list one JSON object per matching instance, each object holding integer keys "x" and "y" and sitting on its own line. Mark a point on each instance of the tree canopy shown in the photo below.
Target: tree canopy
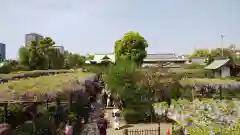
{"x": 90, "y": 57}
{"x": 132, "y": 47}
{"x": 200, "y": 53}
{"x": 44, "y": 55}
{"x": 217, "y": 52}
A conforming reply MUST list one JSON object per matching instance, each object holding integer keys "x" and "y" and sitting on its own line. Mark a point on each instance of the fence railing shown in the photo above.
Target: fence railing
{"x": 141, "y": 132}
{"x": 155, "y": 131}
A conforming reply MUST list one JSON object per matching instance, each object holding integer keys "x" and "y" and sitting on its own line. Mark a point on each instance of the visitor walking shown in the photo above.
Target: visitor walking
{"x": 104, "y": 98}
{"x": 68, "y": 129}
{"x": 102, "y": 125}
{"x": 108, "y": 100}
{"x": 116, "y": 114}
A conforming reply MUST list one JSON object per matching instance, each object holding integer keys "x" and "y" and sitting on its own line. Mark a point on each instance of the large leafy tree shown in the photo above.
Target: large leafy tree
{"x": 200, "y": 53}
{"x": 132, "y": 47}
{"x": 55, "y": 58}
{"x": 46, "y": 56}
{"x": 73, "y": 60}
{"x": 90, "y": 57}
{"x": 214, "y": 53}
{"x": 137, "y": 87}
{"x": 23, "y": 56}
{"x": 36, "y": 57}
{"x": 217, "y": 52}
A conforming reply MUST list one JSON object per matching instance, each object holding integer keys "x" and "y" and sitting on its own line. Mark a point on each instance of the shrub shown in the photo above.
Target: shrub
{"x": 133, "y": 116}
{"x": 22, "y": 68}
{"x": 6, "y": 68}
{"x": 195, "y": 73}
{"x": 94, "y": 68}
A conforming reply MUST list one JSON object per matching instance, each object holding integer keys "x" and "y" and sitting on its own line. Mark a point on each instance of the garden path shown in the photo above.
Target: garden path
{"x": 140, "y": 126}
{"x": 91, "y": 127}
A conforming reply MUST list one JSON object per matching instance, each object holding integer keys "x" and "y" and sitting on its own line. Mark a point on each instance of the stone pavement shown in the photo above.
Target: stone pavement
{"x": 91, "y": 127}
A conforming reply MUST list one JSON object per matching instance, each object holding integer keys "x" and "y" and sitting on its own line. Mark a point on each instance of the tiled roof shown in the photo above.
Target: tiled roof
{"x": 162, "y": 56}
{"x": 99, "y": 57}
{"x": 217, "y": 64}
{"x": 150, "y": 57}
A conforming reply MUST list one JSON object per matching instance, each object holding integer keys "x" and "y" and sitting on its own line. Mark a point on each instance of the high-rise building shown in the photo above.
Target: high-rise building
{"x": 2, "y": 51}
{"x": 32, "y": 37}
{"x": 60, "y": 48}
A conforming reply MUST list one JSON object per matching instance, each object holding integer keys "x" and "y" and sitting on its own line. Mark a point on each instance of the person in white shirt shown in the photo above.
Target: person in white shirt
{"x": 108, "y": 100}
{"x": 116, "y": 114}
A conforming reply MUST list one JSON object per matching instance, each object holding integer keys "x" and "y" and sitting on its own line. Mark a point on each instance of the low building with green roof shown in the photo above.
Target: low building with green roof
{"x": 223, "y": 67}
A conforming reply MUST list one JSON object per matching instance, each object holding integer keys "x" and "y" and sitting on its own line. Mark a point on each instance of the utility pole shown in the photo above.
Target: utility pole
{"x": 222, "y": 44}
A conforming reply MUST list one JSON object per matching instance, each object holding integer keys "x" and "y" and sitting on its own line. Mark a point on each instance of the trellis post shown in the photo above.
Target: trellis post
{"x": 220, "y": 92}
{"x": 5, "y": 112}
{"x": 159, "y": 129}
{"x": 125, "y": 132}
{"x": 70, "y": 106}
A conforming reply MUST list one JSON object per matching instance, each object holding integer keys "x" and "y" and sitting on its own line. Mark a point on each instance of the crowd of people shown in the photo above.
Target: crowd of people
{"x": 108, "y": 100}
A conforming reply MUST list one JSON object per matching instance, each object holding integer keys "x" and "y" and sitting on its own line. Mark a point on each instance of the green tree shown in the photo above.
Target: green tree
{"x": 55, "y": 58}
{"x": 200, "y": 53}
{"x": 36, "y": 57}
{"x": 222, "y": 52}
{"x": 23, "y": 54}
{"x": 90, "y": 57}
{"x": 123, "y": 80}
{"x": 132, "y": 46}
{"x": 46, "y": 42}
{"x": 45, "y": 56}
{"x": 73, "y": 60}
{"x": 46, "y": 45}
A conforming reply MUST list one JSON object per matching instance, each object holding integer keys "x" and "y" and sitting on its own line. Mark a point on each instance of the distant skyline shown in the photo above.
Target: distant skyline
{"x": 92, "y": 26}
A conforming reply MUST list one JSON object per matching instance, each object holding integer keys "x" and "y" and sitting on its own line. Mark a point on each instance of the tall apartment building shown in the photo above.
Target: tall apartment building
{"x": 2, "y": 51}
{"x": 32, "y": 37}
{"x": 60, "y": 48}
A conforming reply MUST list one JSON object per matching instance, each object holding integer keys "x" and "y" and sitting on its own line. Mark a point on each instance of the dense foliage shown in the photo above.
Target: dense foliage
{"x": 123, "y": 81}
{"x": 47, "y": 118}
{"x": 203, "y": 117}
{"x": 211, "y": 83}
{"x": 42, "y": 88}
{"x": 90, "y": 57}
{"x": 215, "y": 53}
{"x": 44, "y": 55}
{"x": 139, "y": 88}
{"x": 132, "y": 46}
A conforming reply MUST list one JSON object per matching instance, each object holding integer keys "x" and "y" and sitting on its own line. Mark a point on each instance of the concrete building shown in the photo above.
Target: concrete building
{"x": 32, "y": 37}
{"x": 60, "y": 48}
{"x": 2, "y": 51}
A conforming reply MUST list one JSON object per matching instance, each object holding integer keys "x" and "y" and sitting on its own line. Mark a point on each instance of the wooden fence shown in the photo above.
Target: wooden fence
{"x": 156, "y": 131}
{"x": 142, "y": 132}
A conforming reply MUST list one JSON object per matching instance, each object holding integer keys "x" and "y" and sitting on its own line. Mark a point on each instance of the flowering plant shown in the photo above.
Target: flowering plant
{"x": 206, "y": 116}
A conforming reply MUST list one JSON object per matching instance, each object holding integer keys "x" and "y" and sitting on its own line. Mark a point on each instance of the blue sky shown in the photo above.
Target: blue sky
{"x": 92, "y": 26}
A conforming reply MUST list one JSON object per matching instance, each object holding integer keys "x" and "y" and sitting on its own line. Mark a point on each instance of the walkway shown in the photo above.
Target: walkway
{"x": 141, "y": 126}
{"x": 91, "y": 127}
